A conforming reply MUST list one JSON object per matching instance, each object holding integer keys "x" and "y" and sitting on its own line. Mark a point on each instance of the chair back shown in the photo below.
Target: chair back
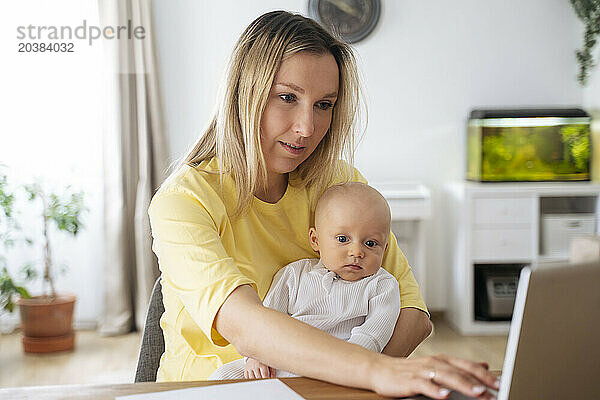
{"x": 153, "y": 341}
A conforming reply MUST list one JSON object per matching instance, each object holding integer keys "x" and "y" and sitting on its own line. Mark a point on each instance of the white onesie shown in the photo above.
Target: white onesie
{"x": 362, "y": 312}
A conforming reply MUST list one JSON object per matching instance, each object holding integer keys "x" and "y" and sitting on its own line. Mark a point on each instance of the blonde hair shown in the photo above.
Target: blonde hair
{"x": 233, "y": 136}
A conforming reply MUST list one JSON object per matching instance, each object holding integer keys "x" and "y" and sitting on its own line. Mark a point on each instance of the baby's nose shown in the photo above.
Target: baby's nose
{"x": 355, "y": 251}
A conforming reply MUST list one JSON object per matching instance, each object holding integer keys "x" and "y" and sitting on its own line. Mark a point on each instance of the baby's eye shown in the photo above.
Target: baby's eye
{"x": 341, "y": 239}
{"x": 370, "y": 243}
{"x": 287, "y": 97}
{"x": 324, "y": 105}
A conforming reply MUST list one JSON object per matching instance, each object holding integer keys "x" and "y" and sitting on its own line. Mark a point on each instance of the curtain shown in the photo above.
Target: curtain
{"x": 134, "y": 164}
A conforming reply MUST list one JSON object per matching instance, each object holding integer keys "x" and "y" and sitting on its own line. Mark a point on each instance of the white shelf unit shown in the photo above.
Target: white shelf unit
{"x": 410, "y": 206}
{"x": 496, "y": 223}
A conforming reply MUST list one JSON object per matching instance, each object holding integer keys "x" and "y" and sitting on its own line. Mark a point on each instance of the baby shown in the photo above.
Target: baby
{"x": 346, "y": 292}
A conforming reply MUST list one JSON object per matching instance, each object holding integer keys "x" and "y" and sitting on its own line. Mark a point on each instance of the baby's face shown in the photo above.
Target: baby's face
{"x": 351, "y": 237}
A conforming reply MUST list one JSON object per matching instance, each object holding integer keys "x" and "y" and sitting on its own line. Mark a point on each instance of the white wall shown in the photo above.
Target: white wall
{"x": 425, "y": 66}
{"x": 591, "y": 93}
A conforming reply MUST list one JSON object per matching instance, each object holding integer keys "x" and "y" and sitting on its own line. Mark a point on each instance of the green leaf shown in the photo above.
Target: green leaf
{"x": 29, "y": 272}
{"x": 23, "y": 292}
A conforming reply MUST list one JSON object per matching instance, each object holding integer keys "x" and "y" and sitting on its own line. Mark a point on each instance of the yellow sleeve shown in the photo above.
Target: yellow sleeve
{"x": 395, "y": 263}
{"x": 192, "y": 258}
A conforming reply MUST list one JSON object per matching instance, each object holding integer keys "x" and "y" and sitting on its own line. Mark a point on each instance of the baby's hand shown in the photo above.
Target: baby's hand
{"x": 256, "y": 369}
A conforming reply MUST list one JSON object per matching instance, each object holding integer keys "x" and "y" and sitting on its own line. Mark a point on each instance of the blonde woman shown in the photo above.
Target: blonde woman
{"x": 239, "y": 207}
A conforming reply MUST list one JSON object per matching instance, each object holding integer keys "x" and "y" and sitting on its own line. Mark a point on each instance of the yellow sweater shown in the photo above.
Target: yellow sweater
{"x": 205, "y": 252}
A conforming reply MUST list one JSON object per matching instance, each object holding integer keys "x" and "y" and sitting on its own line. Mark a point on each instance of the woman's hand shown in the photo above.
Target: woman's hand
{"x": 256, "y": 370}
{"x": 433, "y": 376}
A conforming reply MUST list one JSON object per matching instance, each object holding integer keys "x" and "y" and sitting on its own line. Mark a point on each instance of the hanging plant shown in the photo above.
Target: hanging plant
{"x": 588, "y": 12}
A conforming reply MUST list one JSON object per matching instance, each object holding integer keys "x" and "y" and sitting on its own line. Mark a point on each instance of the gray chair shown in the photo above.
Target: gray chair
{"x": 153, "y": 341}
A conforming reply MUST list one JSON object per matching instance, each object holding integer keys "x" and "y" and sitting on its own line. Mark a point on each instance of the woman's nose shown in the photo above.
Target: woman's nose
{"x": 304, "y": 124}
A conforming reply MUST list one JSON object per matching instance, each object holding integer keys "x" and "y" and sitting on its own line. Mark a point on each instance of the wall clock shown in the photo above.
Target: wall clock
{"x": 353, "y": 20}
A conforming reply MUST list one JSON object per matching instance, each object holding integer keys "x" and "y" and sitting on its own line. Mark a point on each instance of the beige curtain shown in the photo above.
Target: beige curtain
{"x": 135, "y": 162}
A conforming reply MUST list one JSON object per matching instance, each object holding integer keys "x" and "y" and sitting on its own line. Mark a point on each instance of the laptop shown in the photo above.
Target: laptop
{"x": 553, "y": 348}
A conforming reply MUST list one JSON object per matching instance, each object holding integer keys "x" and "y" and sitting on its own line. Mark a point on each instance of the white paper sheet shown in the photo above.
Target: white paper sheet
{"x": 265, "y": 389}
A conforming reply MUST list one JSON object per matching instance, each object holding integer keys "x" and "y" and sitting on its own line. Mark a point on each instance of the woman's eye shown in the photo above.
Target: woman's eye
{"x": 342, "y": 239}
{"x": 324, "y": 105}
{"x": 287, "y": 97}
{"x": 370, "y": 243}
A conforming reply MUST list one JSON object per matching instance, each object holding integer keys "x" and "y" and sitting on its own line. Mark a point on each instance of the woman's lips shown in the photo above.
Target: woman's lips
{"x": 291, "y": 148}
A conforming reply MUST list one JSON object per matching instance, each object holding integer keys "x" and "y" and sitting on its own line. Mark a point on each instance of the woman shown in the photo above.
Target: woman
{"x": 239, "y": 208}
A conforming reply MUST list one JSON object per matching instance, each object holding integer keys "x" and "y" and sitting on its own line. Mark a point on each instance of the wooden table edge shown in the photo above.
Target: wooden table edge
{"x": 310, "y": 389}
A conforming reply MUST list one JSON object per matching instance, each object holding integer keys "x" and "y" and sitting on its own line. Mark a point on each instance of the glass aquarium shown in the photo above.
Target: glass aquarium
{"x": 528, "y": 145}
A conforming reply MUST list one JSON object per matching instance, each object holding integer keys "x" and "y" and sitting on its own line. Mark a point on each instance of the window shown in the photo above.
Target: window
{"x": 52, "y": 129}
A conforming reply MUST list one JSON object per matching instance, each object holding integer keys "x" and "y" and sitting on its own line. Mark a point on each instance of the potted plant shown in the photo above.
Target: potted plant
{"x": 46, "y": 320}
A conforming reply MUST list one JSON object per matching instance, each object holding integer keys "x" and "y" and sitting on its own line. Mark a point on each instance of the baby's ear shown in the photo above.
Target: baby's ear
{"x": 313, "y": 238}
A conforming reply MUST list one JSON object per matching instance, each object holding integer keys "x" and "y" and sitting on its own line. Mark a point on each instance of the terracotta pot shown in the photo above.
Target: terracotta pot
{"x": 47, "y": 324}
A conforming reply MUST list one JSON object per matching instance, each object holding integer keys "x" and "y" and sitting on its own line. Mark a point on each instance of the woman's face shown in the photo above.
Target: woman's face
{"x": 298, "y": 111}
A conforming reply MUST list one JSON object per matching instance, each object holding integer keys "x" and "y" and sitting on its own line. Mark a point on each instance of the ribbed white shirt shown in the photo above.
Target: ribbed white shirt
{"x": 362, "y": 312}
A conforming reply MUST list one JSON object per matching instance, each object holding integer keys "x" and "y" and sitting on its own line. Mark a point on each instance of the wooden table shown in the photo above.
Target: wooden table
{"x": 307, "y": 388}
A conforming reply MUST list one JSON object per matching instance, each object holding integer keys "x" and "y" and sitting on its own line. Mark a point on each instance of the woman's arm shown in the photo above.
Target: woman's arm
{"x": 285, "y": 343}
{"x": 412, "y": 328}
